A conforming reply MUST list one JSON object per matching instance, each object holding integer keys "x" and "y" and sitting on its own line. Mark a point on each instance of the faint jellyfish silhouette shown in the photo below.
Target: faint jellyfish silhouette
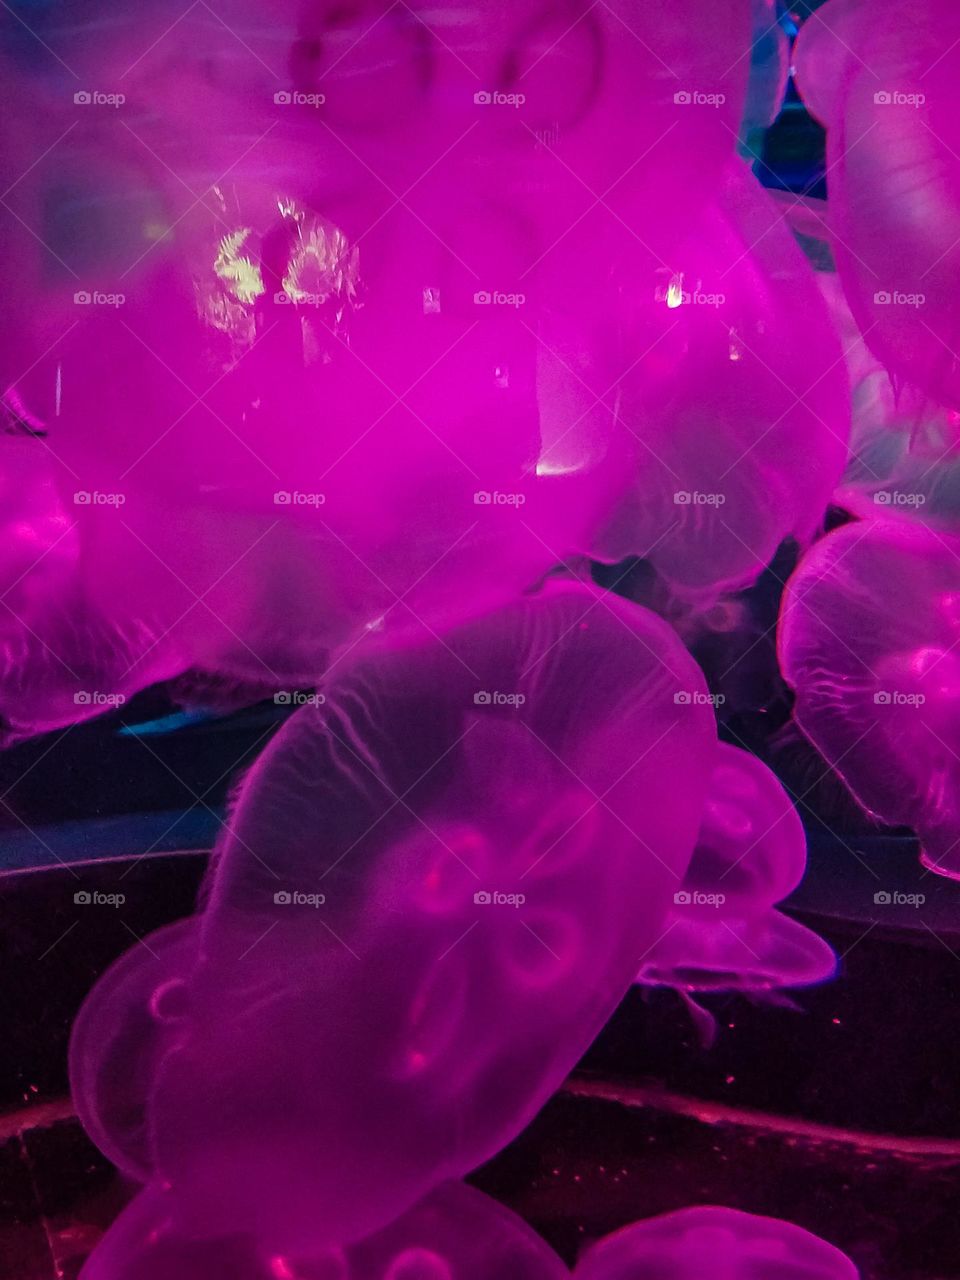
{"x": 722, "y": 1243}
{"x": 867, "y": 638}
{"x": 455, "y": 1233}
{"x": 734, "y": 447}
{"x": 879, "y": 79}
{"x": 467, "y": 833}
{"x": 723, "y": 931}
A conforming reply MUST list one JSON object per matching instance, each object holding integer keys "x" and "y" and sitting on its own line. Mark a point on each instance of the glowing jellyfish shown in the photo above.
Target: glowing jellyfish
{"x": 736, "y": 443}
{"x": 427, "y": 901}
{"x": 309, "y": 306}
{"x": 723, "y": 931}
{"x": 882, "y": 80}
{"x": 716, "y": 1242}
{"x": 456, "y": 1233}
{"x": 868, "y": 639}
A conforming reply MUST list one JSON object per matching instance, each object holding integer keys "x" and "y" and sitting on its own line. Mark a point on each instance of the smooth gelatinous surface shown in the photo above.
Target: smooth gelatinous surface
{"x": 316, "y": 258}
{"x": 883, "y": 78}
{"x": 430, "y": 895}
{"x": 723, "y": 1244}
{"x": 456, "y": 1233}
{"x": 868, "y": 639}
{"x": 722, "y": 930}
{"x": 737, "y": 441}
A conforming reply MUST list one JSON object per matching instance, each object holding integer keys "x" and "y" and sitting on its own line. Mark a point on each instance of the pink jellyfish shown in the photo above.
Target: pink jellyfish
{"x": 456, "y": 1233}
{"x": 882, "y": 79}
{"x": 867, "y": 638}
{"x": 736, "y": 443}
{"x": 310, "y": 309}
{"x": 724, "y": 930}
{"x": 724, "y": 1244}
{"x": 428, "y": 899}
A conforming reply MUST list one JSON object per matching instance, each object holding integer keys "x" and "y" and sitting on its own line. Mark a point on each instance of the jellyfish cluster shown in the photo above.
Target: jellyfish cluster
{"x": 349, "y": 349}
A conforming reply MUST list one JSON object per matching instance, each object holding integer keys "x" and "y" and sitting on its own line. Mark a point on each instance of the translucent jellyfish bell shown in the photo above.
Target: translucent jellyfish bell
{"x": 456, "y": 1233}
{"x": 427, "y": 901}
{"x": 723, "y": 930}
{"x": 736, "y": 443}
{"x": 724, "y": 1244}
{"x": 867, "y": 638}
{"x": 880, "y": 80}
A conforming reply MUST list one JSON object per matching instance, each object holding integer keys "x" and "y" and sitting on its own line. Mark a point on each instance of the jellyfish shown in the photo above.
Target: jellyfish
{"x": 427, "y": 900}
{"x": 867, "y": 638}
{"x": 455, "y": 1233}
{"x": 735, "y": 443}
{"x": 723, "y": 931}
{"x": 882, "y": 80}
{"x": 710, "y": 1240}
{"x": 309, "y": 324}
